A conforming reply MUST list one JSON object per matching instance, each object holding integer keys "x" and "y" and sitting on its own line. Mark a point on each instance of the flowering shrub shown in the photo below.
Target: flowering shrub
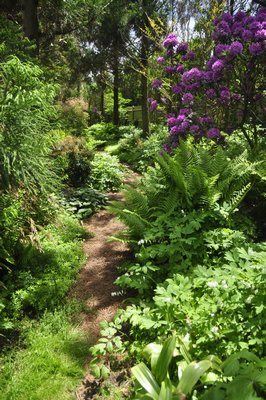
{"x": 224, "y": 95}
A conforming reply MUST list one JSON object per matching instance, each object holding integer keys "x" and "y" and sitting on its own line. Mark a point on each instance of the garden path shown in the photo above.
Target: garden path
{"x": 95, "y": 284}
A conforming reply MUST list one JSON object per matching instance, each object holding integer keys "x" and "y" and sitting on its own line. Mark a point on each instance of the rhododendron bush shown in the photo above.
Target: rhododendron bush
{"x": 225, "y": 94}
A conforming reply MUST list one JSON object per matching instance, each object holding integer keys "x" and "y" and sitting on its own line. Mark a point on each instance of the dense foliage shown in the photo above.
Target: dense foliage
{"x": 194, "y": 210}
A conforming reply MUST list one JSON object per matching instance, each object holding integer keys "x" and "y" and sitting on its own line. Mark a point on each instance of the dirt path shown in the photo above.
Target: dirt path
{"x": 95, "y": 285}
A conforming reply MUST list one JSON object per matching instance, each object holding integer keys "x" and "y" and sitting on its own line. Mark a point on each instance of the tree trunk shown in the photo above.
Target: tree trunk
{"x": 116, "y": 92}
{"x": 30, "y": 20}
{"x": 144, "y": 85}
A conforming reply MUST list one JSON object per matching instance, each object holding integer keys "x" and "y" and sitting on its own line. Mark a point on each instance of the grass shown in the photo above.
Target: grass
{"x": 51, "y": 364}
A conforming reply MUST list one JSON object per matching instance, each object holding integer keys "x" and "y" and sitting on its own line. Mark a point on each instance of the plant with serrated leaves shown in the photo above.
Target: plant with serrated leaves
{"x": 221, "y": 306}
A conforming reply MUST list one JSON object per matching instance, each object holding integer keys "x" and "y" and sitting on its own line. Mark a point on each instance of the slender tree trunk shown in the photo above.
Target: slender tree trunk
{"x": 116, "y": 92}
{"x": 231, "y": 6}
{"x": 30, "y": 20}
{"x": 144, "y": 85}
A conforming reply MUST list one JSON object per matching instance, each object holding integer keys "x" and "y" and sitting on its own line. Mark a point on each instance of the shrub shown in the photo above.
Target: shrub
{"x": 107, "y": 173}
{"x": 74, "y": 116}
{"x": 25, "y": 113}
{"x": 213, "y": 100}
{"x": 73, "y": 159}
{"x": 103, "y": 131}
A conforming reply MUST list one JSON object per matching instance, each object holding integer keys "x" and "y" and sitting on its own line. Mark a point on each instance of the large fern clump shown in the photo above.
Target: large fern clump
{"x": 196, "y": 178}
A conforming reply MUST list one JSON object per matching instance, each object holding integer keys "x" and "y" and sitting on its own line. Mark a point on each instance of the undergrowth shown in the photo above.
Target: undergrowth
{"x": 50, "y": 363}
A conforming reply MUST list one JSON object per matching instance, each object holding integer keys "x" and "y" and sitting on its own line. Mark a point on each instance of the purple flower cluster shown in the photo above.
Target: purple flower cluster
{"x": 179, "y": 125}
{"x": 241, "y": 27}
{"x": 157, "y": 83}
{"x": 153, "y": 104}
{"x": 220, "y": 88}
{"x": 170, "y": 41}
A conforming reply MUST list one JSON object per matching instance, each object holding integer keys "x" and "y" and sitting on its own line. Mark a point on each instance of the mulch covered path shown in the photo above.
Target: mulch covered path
{"x": 95, "y": 285}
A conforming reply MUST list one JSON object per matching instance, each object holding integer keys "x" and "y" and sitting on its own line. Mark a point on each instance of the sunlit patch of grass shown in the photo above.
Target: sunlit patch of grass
{"x": 51, "y": 364}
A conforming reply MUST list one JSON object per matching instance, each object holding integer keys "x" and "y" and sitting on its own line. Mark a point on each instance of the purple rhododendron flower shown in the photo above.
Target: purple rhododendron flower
{"x": 170, "y": 52}
{"x": 182, "y": 47}
{"x": 180, "y": 68}
{"x": 218, "y": 66}
{"x": 181, "y": 118}
{"x": 261, "y": 15}
{"x": 213, "y": 133}
{"x": 184, "y": 126}
{"x": 192, "y": 75}
{"x": 207, "y": 76}
{"x": 237, "y": 28}
{"x": 177, "y": 89}
{"x": 236, "y": 97}
{"x": 247, "y": 35}
{"x": 170, "y": 41}
{"x": 169, "y": 69}
{"x": 210, "y": 93}
{"x": 211, "y": 61}
{"x": 185, "y": 111}
{"x": 160, "y": 60}
{"x": 187, "y": 98}
{"x": 172, "y": 121}
{"x": 240, "y": 15}
{"x": 248, "y": 20}
{"x": 227, "y": 17}
{"x": 255, "y": 26}
{"x": 261, "y": 34}
{"x": 194, "y": 128}
{"x": 156, "y": 84}
{"x": 223, "y": 28}
{"x": 225, "y": 95}
{"x": 256, "y": 49}
{"x": 153, "y": 105}
{"x": 205, "y": 120}
{"x": 175, "y": 130}
{"x": 236, "y": 48}
{"x": 189, "y": 56}
{"x": 220, "y": 48}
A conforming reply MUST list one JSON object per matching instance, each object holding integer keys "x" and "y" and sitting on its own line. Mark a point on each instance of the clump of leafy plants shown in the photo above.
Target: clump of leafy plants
{"x": 83, "y": 201}
{"x": 107, "y": 173}
{"x": 45, "y": 272}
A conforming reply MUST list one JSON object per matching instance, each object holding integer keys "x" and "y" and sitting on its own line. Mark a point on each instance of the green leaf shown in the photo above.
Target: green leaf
{"x": 146, "y": 379}
{"x": 105, "y": 372}
{"x": 151, "y": 352}
{"x": 241, "y": 388}
{"x": 166, "y": 390}
{"x": 191, "y": 375}
{"x": 164, "y": 359}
